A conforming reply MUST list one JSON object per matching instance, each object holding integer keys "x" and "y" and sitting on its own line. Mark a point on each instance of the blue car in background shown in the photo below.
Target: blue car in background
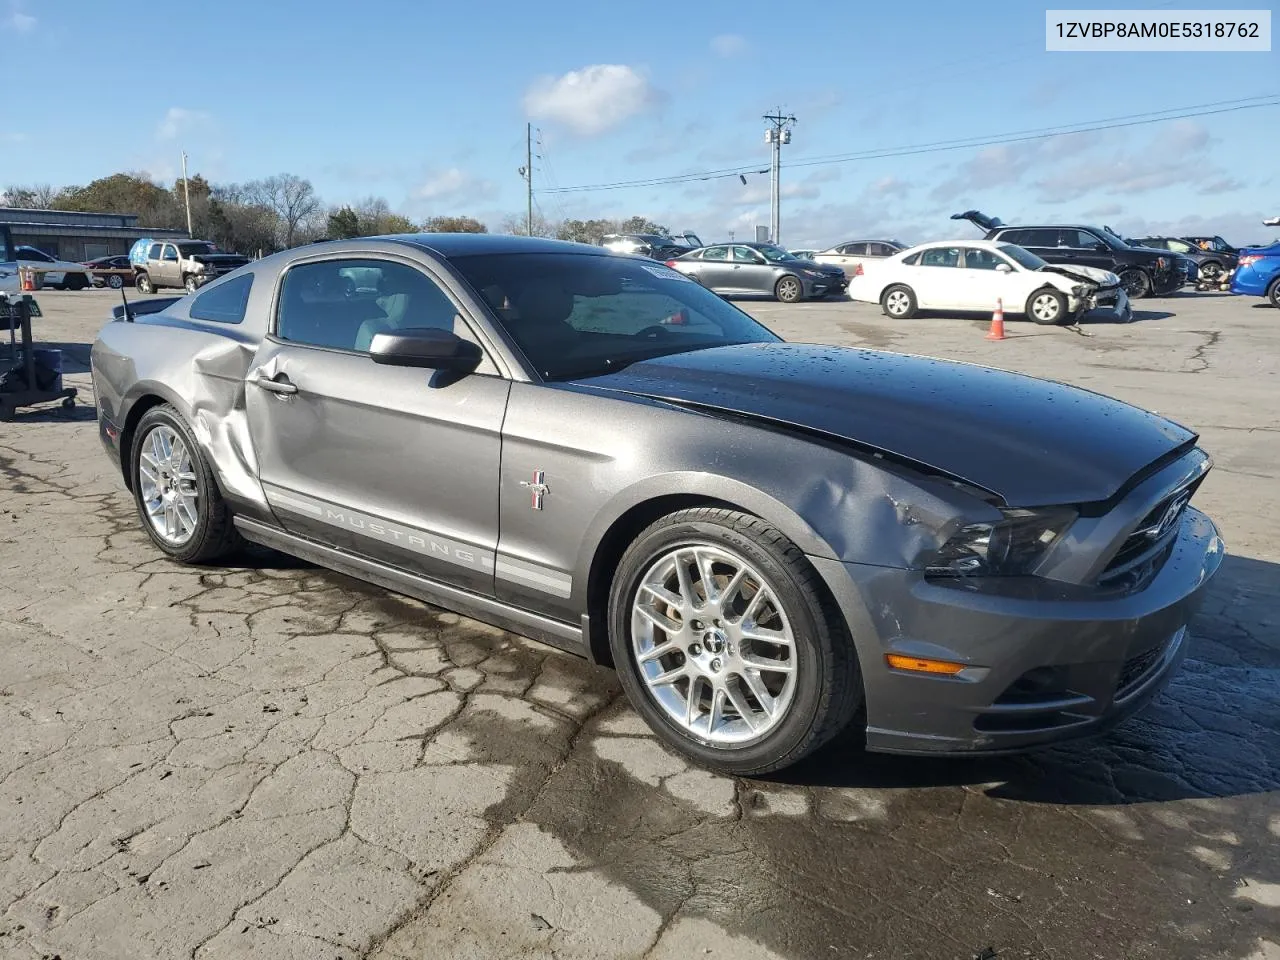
{"x": 1258, "y": 273}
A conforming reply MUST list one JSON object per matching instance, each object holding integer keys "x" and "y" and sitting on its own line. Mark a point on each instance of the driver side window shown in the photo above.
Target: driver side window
{"x": 978, "y": 259}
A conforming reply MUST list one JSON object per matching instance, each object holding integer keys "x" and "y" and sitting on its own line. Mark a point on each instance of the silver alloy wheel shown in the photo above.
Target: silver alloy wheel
{"x": 167, "y": 483}
{"x": 115, "y": 281}
{"x": 897, "y": 303}
{"x": 1046, "y": 307}
{"x": 789, "y": 290}
{"x": 190, "y": 285}
{"x": 1210, "y": 272}
{"x": 713, "y": 645}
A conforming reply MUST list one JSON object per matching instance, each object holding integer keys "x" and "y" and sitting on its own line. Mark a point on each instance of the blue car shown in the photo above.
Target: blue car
{"x": 1258, "y": 273}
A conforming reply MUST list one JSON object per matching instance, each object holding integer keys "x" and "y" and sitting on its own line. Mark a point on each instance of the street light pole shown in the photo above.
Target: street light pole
{"x": 778, "y": 133}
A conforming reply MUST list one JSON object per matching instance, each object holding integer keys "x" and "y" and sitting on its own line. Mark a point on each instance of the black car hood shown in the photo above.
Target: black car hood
{"x": 214, "y": 258}
{"x": 1032, "y": 442}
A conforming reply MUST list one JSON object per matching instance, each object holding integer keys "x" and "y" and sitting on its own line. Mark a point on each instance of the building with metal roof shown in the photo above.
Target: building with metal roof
{"x": 70, "y": 235}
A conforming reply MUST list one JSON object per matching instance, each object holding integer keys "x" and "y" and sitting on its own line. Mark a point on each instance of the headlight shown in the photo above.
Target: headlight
{"x": 814, "y": 274}
{"x": 1079, "y": 290}
{"x": 1008, "y": 547}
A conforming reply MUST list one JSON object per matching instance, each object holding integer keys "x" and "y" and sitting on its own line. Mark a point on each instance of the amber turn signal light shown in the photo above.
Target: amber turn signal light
{"x": 921, "y": 665}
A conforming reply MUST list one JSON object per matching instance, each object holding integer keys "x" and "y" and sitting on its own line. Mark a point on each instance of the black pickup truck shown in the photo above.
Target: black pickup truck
{"x": 1142, "y": 270}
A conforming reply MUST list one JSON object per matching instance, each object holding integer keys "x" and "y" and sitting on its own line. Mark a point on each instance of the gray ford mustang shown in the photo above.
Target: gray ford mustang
{"x": 769, "y": 541}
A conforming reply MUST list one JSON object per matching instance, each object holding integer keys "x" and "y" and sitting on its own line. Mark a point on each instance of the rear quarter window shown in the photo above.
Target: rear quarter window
{"x": 224, "y": 302}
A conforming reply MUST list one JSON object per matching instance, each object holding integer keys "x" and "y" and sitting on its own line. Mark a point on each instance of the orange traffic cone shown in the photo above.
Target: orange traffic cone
{"x": 28, "y": 280}
{"x": 997, "y": 322}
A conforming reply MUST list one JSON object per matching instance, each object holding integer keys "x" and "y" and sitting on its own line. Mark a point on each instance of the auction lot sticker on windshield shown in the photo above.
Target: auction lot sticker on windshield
{"x": 1179, "y": 31}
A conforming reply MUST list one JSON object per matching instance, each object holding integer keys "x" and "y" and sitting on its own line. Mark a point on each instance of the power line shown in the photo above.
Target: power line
{"x": 1043, "y": 133}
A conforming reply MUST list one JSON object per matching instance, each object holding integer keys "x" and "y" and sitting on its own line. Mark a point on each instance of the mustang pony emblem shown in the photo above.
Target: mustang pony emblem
{"x": 537, "y": 488}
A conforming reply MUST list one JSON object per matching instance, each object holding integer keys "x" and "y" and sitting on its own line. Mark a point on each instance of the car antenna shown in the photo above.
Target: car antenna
{"x": 128, "y": 314}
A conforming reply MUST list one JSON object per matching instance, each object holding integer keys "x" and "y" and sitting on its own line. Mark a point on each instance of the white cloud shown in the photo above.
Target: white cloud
{"x": 18, "y": 21}
{"x": 178, "y": 120}
{"x": 592, "y": 100}
{"x": 454, "y": 185}
{"x": 13, "y": 136}
{"x": 729, "y": 45}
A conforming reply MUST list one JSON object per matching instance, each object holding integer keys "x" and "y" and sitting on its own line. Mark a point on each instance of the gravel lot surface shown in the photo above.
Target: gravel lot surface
{"x": 270, "y": 760}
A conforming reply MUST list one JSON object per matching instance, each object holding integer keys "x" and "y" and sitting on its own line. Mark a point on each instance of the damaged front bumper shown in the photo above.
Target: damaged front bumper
{"x": 1045, "y": 661}
{"x": 1109, "y": 303}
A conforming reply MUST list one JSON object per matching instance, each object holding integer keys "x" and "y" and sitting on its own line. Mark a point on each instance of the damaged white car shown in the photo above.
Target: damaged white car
{"x": 976, "y": 274}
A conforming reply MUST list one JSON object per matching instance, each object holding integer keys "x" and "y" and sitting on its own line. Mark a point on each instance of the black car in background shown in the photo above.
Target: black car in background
{"x": 1211, "y": 264}
{"x": 1142, "y": 270}
{"x": 108, "y": 279}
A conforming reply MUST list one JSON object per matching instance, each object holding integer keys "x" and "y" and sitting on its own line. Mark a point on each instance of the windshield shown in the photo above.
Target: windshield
{"x": 577, "y": 315}
{"x": 1111, "y": 238}
{"x": 775, "y": 254}
{"x": 1023, "y": 258}
{"x": 196, "y": 249}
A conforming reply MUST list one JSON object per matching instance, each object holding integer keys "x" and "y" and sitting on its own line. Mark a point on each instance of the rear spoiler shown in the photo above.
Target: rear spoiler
{"x": 139, "y": 307}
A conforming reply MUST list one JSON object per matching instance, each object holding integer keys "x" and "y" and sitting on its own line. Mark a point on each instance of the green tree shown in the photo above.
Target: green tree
{"x": 453, "y": 225}
{"x": 344, "y": 223}
{"x": 586, "y": 231}
{"x": 641, "y": 225}
{"x": 127, "y": 193}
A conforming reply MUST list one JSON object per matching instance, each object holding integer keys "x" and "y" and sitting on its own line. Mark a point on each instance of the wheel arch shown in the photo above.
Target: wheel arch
{"x": 145, "y": 397}
{"x": 635, "y": 510}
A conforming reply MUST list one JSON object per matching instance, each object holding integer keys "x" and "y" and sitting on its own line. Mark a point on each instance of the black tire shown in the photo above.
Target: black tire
{"x": 1210, "y": 272}
{"x": 143, "y": 283}
{"x": 190, "y": 284}
{"x": 68, "y": 403}
{"x": 889, "y": 302}
{"x": 1038, "y": 307}
{"x": 215, "y": 535}
{"x": 789, "y": 289}
{"x": 1136, "y": 283}
{"x": 115, "y": 281}
{"x": 828, "y": 690}
{"x": 1273, "y": 293}
{"x": 76, "y": 281}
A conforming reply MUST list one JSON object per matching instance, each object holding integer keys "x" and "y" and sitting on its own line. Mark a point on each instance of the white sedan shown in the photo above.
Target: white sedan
{"x": 975, "y": 274}
{"x": 54, "y": 273}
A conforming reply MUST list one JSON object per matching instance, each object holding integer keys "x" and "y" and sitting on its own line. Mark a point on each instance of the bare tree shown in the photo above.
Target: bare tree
{"x": 37, "y": 196}
{"x": 292, "y": 199}
{"x": 515, "y": 225}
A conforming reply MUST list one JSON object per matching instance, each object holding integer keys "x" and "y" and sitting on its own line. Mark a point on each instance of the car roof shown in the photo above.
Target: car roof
{"x": 1049, "y": 226}
{"x": 981, "y": 244}
{"x": 471, "y": 244}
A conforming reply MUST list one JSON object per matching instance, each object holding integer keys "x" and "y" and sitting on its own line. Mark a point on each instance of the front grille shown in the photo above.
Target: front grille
{"x": 1145, "y": 549}
{"x": 1135, "y": 670}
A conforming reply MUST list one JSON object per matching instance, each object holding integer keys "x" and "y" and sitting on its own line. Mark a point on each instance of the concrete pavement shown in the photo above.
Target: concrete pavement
{"x": 270, "y": 760}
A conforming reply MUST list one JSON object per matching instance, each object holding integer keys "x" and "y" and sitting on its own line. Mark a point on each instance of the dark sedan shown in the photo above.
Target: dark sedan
{"x": 113, "y": 272}
{"x": 1212, "y": 266}
{"x": 760, "y": 268}
{"x": 769, "y": 541}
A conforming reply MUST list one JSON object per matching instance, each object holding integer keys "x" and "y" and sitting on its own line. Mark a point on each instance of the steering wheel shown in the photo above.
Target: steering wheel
{"x": 655, "y": 330}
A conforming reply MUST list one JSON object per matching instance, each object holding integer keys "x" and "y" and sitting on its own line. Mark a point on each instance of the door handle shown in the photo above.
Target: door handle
{"x": 282, "y": 387}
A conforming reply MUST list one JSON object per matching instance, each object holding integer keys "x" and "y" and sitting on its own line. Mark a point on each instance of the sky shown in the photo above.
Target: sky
{"x": 425, "y": 104}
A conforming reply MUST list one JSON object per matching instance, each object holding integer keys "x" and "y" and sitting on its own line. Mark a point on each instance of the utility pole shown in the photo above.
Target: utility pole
{"x": 186, "y": 190}
{"x": 778, "y": 133}
{"x": 528, "y": 177}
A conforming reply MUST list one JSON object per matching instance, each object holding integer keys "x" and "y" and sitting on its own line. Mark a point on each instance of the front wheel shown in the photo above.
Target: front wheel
{"x": 190, "y": 284}
{"x": 1274, "y": 294}
{"x": 1047, "y": 307}
{"x": 178, "y": 500}
{"x": 76, "y": 281}
{"x": 898, "y": 302}
{"x": 1136, "y": 283}
{"x": 1210, "y": 272}
{"x": 726, "y": 645}
{"x": 789, "y": 290}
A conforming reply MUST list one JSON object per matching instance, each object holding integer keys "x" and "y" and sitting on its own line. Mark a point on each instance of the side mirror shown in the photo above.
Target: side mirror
{"x": 428, "y": 347}
{"x": 1004, "y": 268}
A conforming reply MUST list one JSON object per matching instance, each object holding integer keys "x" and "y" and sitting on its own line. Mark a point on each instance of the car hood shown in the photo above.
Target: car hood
{"x": 1031, "y": 442}
{"x": 1088, "y": 274}
{"x": 215, "y": 258}
{"x": 821, "y": 267}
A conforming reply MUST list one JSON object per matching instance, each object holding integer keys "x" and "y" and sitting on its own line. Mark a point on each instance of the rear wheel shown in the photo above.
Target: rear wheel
{"x": 1047, "y": 307}
{"x": 1136, "y": 283}
{"x": 898, "y": 302}
{"x": 144, "y": 284}
{"x": 1273, "y": 294}
{"x": 789, "y": 290}
{"x": 115, "y": 281}
{"x": 726, "y": 645}
{"x": 178, "y": 500}
{"x": 1210, "y": 271}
